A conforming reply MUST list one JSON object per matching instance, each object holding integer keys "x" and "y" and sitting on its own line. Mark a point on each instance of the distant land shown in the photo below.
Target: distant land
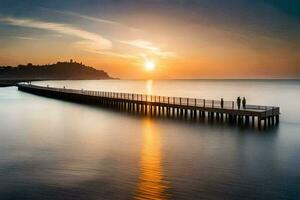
{"x": 60, "y": 71}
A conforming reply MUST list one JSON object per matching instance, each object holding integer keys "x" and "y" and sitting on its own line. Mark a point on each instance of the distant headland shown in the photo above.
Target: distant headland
{"x": 71, "y": 70}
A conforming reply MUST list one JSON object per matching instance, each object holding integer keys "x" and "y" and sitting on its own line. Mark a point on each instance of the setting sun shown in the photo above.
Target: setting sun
{"x": 149, "y": 65}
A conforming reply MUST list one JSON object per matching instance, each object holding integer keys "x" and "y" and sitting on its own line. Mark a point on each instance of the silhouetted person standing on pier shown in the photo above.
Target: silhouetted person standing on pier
{"x": 238, "y": 101}
{"x": 244, "y": 102}
{"x": 222, "y": 102}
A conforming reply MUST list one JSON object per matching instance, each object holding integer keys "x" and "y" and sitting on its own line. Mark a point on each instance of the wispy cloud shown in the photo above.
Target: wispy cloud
{"x": 67, "y": 29}
{"x": 146, "y": 45}
{"x": 25, "y": 38}
{"x": 95, "y": 19}
{"x": 101, "y": 20}
{"x": 141, "y": 44}
{"x": 88, "y": 41}
{"x": 92, "y": 48}
{"x": 56, "y": 35}
{"x": 119, "y": 55}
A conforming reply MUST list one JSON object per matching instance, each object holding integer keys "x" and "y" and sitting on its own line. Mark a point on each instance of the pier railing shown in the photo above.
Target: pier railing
{"x": 177, "y": 101}
{"x": 180, "y": 101}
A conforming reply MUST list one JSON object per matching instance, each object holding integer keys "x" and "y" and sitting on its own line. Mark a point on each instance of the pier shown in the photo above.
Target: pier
{"x": 193, "y": 109}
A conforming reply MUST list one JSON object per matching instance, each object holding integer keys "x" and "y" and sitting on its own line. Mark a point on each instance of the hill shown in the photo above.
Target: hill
{"x": 59, "y": 71}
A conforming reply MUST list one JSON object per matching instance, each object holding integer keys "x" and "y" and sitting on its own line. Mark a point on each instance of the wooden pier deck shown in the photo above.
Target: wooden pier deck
{"x": 173, "y": 107}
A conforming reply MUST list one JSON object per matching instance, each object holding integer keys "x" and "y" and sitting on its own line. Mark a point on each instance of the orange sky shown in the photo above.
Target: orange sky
{"x": 183, "y": 40}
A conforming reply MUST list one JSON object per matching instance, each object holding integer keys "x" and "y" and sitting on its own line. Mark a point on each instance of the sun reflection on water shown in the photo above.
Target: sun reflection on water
{"x": 149, "y": 87}
{"x": 151, "y": 183}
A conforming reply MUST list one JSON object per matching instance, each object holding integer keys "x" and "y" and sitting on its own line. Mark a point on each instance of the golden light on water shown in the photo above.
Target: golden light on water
{"x": 151, "y": 183}
{"x": 149, "y": 87}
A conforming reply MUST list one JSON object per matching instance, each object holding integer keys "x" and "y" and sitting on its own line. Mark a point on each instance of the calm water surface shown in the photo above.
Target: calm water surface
{"x": 52, "y": 149}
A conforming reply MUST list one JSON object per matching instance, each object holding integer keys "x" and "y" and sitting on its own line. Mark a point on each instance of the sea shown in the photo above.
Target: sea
{"x": 59, "y": 150}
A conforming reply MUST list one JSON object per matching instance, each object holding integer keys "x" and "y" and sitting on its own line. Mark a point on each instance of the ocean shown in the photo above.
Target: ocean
{"x": 53, "y": 149}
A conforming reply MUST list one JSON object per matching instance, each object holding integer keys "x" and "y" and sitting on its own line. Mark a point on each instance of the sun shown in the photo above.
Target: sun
{"x": 149, "y": 65}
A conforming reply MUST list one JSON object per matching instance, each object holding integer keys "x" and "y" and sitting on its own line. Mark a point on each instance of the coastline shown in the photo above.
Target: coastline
{"x": 8, "y": 83}
{"x": 14, "y": 82}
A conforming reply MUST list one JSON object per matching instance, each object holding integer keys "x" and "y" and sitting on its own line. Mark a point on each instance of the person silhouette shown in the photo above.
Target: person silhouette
{"x": 222, "y": 102}
{"x": 244, "y": 102}
{"x": 238, "y": 101}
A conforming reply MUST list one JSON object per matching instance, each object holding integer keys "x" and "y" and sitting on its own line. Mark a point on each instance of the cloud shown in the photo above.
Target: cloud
{"x": 140, "y": 44}
{"x": 90, "y": 42}
{"x": 101, "y": 20}
{"x": 66, "y": 29}
{"x": 120, "y": 55}
{"x": 95, "y": 19}
{"x": 26, "y": 38}
{"x": 143, "y": 44}
{"x": 92, "y": 48}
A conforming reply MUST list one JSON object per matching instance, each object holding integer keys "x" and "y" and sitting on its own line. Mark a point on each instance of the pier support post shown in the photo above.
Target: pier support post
{"x": 247, "y": 120}
{"x": 277, "y": 119}
{"x": 234, "y": 119}
{"x": 259, "y": 123}
{"x": 217, "y": 117}
{"x": 212, "y": 116}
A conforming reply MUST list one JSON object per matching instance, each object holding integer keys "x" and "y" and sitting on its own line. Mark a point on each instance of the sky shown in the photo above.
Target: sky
{"x": 183, "y": 39}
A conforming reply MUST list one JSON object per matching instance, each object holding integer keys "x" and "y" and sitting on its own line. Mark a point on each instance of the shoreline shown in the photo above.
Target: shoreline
{"x": 14, "y": 82}
{"x": 9, "y": 83}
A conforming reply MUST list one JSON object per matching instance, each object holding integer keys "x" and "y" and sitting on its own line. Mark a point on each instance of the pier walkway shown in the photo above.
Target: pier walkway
{"x": 173, "y": 107}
